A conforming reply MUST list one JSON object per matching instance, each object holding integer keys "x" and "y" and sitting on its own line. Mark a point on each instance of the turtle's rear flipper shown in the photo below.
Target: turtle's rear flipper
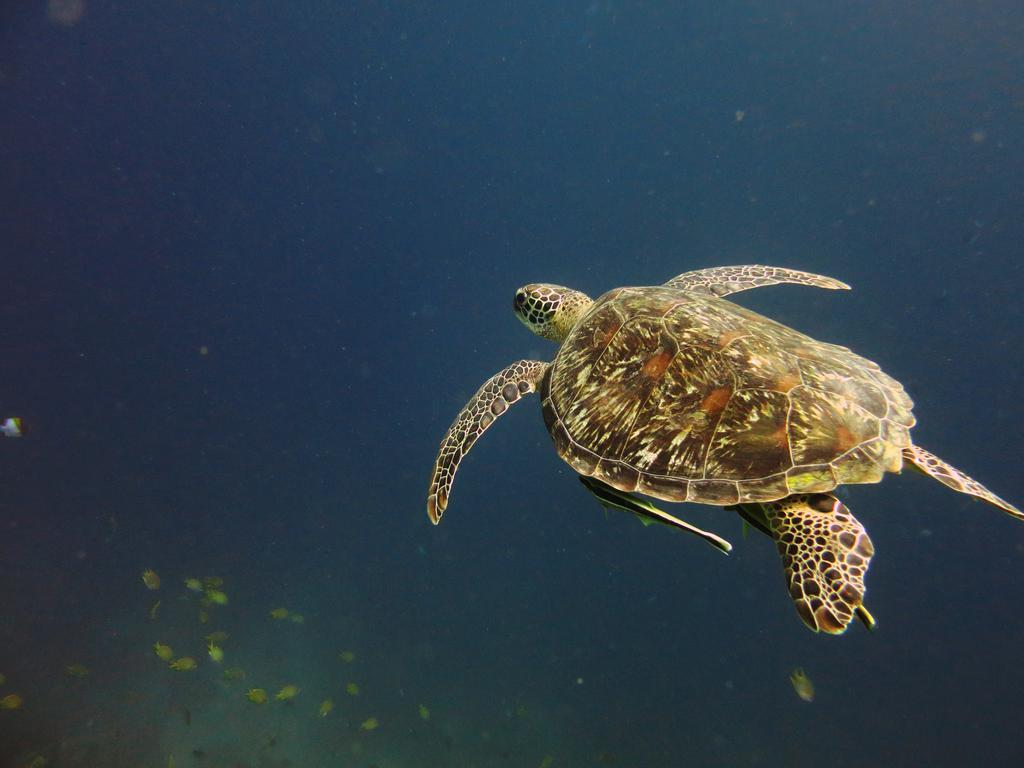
{"x": 490, "y": 401}
{"x": 825, "y": 553}
{"x": 612, "y": 498}
{"x": 950, "y": 476}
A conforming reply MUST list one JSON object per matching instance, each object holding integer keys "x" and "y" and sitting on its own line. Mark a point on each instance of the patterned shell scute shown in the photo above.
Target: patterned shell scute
{"x": 689, "y": 397}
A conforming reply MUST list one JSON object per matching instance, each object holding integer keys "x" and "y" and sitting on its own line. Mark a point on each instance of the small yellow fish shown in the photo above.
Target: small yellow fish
{"x": 37, "y": 762}
{"x": 204, "y": 617}
{"x": 347, "y": 656}
{"x": 11, "y": 701}
{"x": 352, "y": 689}
{"x": 297, "y": 618}
{"x": 216, "y": 596}
{"x": 153, "y": 610}
{"x": 194, "y": 584}
{"x": 215, "y": 651}
{"x": 217, "y": 637}
{"x": 279, "y": 614}
{"x": 234, "y": 673}
{"x": 325, "y": 707}
{"x": 77, "y": 670}
{"x": 183, "y": 664}
{"x": 212, "y": 582}
{"x": 424, "y": 712}
{"x": 256, "y": 695}
{"x": 150, "y": 579}
{"x": 547, "y": 762}
{"x": 802, "y": 684}
{"x": 287, "y": 693}
{"x": 163, "y": 651}
{"x": 369, "y": 724}
{"x": 12, "y": 427}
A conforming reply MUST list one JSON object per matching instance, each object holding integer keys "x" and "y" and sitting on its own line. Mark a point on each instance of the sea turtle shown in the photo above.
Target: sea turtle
{"x": 679, "y": 394}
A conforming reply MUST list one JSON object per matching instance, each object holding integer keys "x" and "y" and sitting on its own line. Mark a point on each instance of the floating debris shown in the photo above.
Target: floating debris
{"x": 76, "y": 670}
{"x": 11, "y": 701}
{"x": 802, "y": 684}
{"x": 424, "y": 712}
{"x": 325, "y": 707}
{"x": 216, "y": 597}
{"x": 164, "y": 652}
{"x": 370, "y": 724}
{"x": 257, "y": 696}
{"x": 352, "y": 689}
{"x": 347, "y": 656}
{"x": 287, "y": 693}
{"x": 215, "y": 651}
{"x": 150, "y": 579}
{"x": 279, "y": 614}
{"x": 183, "y": 664}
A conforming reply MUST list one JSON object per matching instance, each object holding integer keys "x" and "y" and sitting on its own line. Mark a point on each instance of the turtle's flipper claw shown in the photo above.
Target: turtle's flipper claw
{"x": 490, "y": 401}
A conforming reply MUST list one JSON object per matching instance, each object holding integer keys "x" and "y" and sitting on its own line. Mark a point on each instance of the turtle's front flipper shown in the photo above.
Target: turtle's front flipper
{"x": 935, "y": 467}
{"x": 489, "y": 402}
{"x": 721, "y": 281}
{"x": 612, "y": 498}
{"x": 825, "y": 553}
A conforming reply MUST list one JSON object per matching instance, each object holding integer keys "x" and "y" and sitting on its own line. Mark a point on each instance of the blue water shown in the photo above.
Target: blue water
{"x": 255, "y": 256}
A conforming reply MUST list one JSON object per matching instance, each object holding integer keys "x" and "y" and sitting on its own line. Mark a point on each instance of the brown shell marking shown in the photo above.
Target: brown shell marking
{"x": 686, "y": 396}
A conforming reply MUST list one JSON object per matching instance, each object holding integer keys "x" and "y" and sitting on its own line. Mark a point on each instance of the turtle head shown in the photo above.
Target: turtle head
{"x": 548, "y": 310}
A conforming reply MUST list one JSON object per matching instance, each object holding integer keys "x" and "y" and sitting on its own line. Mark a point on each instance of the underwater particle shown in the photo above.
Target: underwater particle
{"x": 424, "y": 712}
{"x": 739, "y": 115}
{"x": 257, "y": 696}
{"x": 65, "y": 13}
{"x": 184, "y": 664}
{"x": 11, "y": 427}
{"x": 352, "y": 689}
{"x": 579, "y": 681}
{"x": 347, "y": 656}
{"x": 297, "y": 618}
{"x": 204, "y": 350}
{"x": 369, "y": 724}
{"x": 215, "y": 651}
{"x": 76, "y": 670}
{"x": 153, "y": 610}
{"x": 216, "y": 597}
{"x": 11, "y": 701}
{"x": 979, "y": 135}
{"x": 194, "y": 584}
{"x": 325, "y": 707}
{"x": 287, "y": 693}
{"x": 802, "y": 684}
{"x": 279, "y": 614}
{"x": 150, "y": 579}
{"x": 164, "y": 652}
{"x": 234, "y": 673}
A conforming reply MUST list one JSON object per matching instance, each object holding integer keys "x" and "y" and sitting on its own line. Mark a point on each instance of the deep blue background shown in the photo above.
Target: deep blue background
{"x": 338, "y": 201}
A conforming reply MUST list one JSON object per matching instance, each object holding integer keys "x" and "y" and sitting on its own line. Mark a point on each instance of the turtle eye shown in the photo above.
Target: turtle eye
{"x": 520, "y": 300}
